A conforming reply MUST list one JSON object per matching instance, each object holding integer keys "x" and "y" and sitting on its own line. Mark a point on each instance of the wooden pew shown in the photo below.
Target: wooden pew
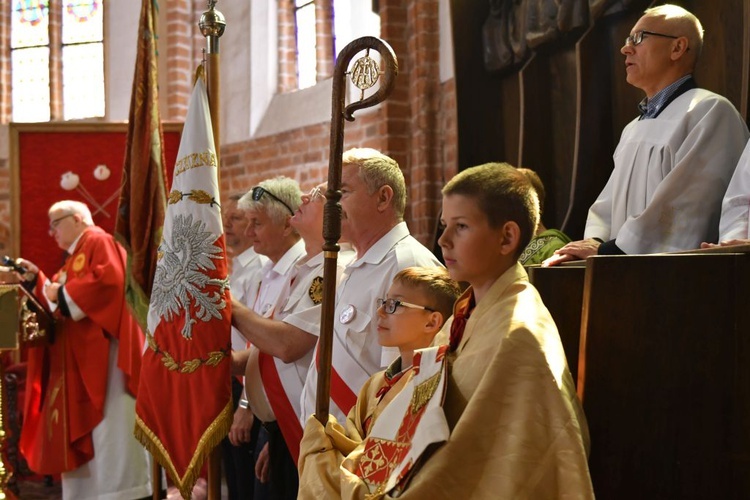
{"x": 664, "y": 377}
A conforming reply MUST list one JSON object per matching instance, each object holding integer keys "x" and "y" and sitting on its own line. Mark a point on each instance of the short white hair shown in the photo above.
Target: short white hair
{"x": 72, "y": 207}
{"x": 283, "y": 188}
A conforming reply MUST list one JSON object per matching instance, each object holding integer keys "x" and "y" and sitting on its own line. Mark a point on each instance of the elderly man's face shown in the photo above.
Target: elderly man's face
{"x": 65, "y": 227}
{"x": 646, "y": 64}
{"x": 309, "y": 215}
{"x": 358, "y": 206}
{"x": 267, "y": 236}
{"x": 235, "y": 222}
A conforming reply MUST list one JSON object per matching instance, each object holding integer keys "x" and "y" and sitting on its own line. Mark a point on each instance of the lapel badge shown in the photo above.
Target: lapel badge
{"x": 347, "y": 315}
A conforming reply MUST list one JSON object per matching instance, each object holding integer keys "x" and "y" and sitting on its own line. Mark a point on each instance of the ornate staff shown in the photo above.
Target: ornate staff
{"x": 212, "y": 24}
{"x": 364, "y": 74}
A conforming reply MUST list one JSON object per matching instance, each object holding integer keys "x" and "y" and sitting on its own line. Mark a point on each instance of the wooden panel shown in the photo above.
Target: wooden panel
{"x": 561, "y": 289}
{"x": 487, "y": 104}
{"x": 548, "y": 124}
{"x": 663, "y": 375}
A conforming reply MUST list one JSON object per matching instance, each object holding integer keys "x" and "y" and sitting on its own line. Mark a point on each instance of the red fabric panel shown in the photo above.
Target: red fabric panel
{"x": 44, "y": 156}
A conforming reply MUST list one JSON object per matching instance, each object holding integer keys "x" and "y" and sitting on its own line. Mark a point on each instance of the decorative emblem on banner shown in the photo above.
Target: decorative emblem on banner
{"x": 189, "y": 366}
{"x": 197, "y": 195}
{"x": 180, "y": 275}
{"x": 316, "y": 290}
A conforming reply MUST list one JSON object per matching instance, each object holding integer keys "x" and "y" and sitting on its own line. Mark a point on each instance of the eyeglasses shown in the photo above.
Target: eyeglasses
{"x": 56, "y": 222}
{"x": 390, "y": 305}
{"x": 637, "y": 37}
{"x": 258, "y": 192}
{"x": 314, "y": 194}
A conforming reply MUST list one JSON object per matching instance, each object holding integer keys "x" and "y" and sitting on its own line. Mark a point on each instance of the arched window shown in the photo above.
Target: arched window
{"x": 57, "y": 59}
{"x": 351, "y": 19}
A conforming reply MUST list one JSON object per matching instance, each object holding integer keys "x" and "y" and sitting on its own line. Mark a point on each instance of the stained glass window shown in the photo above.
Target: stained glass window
{"x": 81, "y": 54}
{"x": 30, "y": 23}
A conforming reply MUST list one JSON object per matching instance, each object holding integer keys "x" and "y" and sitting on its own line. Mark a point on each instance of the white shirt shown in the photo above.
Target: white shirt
{"x": 735, "y": 209}
{"x": 245, "y": 282}
{"x": 670, "y": 175}
{"x": 301, "y": 296}
{"x": 356, "y": 351}
{"x": 276, "y": 280}
{"x": 274, "y": 289}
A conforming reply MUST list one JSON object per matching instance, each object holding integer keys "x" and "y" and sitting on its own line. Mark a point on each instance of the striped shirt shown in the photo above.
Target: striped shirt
{"x": 650, "y": 108}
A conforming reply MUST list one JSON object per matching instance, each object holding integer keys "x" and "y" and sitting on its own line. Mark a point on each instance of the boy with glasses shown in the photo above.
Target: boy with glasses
{"x": 416, "y": 306}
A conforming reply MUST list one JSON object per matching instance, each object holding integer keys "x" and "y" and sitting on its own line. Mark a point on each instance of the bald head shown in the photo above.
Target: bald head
{"x": 681, "y": 22}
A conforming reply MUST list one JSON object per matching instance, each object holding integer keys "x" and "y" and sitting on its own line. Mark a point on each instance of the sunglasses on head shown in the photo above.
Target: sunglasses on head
{"x": 258, "y": 192}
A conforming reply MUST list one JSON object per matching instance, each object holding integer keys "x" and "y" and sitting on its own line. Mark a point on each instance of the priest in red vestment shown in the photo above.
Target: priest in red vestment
{"x": 80, "y": 405}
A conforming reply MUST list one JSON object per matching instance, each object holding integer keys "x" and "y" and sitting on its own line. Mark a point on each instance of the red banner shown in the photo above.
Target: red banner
{"x": 184, "y": 406}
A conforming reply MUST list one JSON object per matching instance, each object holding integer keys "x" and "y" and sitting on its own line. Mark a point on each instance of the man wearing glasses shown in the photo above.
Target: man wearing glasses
{"x": 674, "y": 162}
{"x": 81, "y": 411}
{"x": 284, "y": 356}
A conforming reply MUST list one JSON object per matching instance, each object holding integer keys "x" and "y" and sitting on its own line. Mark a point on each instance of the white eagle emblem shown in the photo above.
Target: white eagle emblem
{"x": 181, "y": 276}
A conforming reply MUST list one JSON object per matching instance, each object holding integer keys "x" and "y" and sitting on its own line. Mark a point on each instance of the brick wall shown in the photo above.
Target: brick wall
{"x": 181, "y": 47}
{"x": 287, "y": 47}
{"x": 416, "y": 125}
{"x": 324, "y": 39}
{"x": 55, "y": 60}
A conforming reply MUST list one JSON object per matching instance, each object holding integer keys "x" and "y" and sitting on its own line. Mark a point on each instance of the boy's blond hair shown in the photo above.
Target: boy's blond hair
{"x": 441, "y": 291}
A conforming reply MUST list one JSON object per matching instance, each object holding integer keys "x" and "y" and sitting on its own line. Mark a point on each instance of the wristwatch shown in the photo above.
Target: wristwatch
{"x": 244, "y": 404}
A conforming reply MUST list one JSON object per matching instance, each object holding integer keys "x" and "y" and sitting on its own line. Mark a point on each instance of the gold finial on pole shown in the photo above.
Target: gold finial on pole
{"x": 212, "y": 25}
{"x": 365, "y": 73}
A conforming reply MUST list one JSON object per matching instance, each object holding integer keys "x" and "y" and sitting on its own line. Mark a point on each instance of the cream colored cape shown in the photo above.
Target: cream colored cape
{"x": 517, "y": 428}
{"x": 323, "y": 450}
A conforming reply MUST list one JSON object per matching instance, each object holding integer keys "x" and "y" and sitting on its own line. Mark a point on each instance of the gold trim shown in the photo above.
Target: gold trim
{"x": 424, "y": 391}
{"x": 210, "y": 439}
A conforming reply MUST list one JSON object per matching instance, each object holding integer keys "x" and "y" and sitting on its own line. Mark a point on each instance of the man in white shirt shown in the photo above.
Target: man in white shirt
{"x": 673, "y": 164}
{"x": 270, "y": 206}
{"x": 285, "y": 357}
{"x": 734, "y": 228}
{"x": 373, "y": 201}
{"x": 244, "y": 281}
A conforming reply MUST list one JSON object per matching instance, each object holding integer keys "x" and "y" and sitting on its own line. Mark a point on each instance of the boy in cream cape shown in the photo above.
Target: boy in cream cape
{"x": 415, "y": 308}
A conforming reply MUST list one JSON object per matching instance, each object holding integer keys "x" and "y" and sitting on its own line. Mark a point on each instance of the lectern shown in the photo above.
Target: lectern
{"x": 22, "y": 321}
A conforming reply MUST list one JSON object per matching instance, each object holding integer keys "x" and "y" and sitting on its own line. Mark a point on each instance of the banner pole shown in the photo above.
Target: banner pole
{"x": 212, "y": 25}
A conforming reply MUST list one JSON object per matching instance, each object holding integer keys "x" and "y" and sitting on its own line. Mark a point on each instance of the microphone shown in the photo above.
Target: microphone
{"x": 11, "y": 263}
